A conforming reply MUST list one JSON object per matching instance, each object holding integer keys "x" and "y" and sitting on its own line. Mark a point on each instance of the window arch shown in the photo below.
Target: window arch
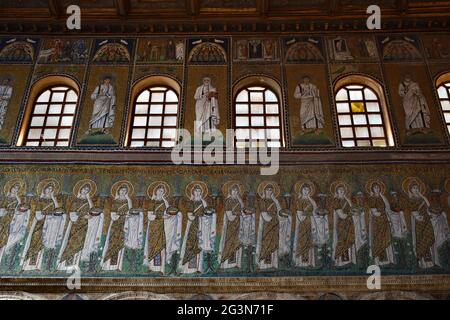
{"x": 362, "y": 115}
{"x": 443, "y": 89}
{"x": 154, "y": 118}
{"x": 257, "y": 114}
{"x": 50, "y": 117}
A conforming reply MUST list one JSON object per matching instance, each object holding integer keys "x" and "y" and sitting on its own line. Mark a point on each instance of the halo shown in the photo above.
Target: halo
{"x": 152, "y": 187}
{"x": 190, "y": 187}
{"x": 116, "y": 186}
{"x": 9, "y": 184}
{"x": 44, "y": 183}
{"x": 339, "y": 183}
{"x": 371, "y": 182}
{"x": 80, "y": 184}
{"x": 406, "y": 185}
{"x": 447, "y": 185}
{"x": 301, "y": 183}
{"x": 263, "y": 185}
{"x": 230, "y": 184}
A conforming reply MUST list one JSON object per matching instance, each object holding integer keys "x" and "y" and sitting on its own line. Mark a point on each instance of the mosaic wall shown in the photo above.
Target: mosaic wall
{"x": 187, "y": 222}
{"x": 287, "y": 60}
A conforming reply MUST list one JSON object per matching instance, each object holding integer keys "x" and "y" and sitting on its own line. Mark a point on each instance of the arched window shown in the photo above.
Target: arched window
{"x": 443, "y": 88}
{"x": 51, "y": 118}
{"x": 154, "y": 119}
{"x": 362, "y": 115}
{"x": 258, "y": 118}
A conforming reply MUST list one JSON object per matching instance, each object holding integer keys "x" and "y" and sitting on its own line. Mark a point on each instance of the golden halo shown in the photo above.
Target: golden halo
{"x": 45, "y": 183}
{"x": 406, "y": 185}
{"x": 9, "y": 184}
{"x": 371, "y": 182}
{"x": 80, "y": 184}
{"x": 226, "y": 188}
{"x": 339, "y": 183}
{"x": 116, "y": 186}
{"x": 152, "y": 188}
{"x": 301, "y": 183}
{"x": 447, "y": 185}
{"x": 190, "y": 187}
{"x": 263, "y": 185}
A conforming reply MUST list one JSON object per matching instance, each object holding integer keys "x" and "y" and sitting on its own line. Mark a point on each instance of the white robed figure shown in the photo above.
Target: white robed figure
{"x": 206, "y": 108}
{"x": 359, "y": 221}
{"x": 6, "y": 91}
{"x": 439, "y": 222}
{"x": 311, "y": 112}
{"x": 417, "y": 113}
{"x": 125, "y": 229}
{"x": 14, "y": 219}
{"x": 84, "y": 231}
{"x": 274, "y": 228}
{"x": 47, "y": 229}
{"x": 163, "y": 236}
{"x": 200, "y": 235}
{"x": 104, "y": 97}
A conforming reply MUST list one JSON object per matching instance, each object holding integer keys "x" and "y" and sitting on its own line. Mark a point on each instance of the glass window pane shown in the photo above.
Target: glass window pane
{"x": 373, "y": 107}
{"x": 62, "y": 144}
{"x": 256, "y": 97}
{"x": 32, "y": 144}
{"x": 67, "y": 121}
{"x": 356, "y": 95}
{"x": 243, "y": 134}
{"x": 274, "y": 144}
{"x": 171, "y": 109}
{"x": 273, "y": 134}
{"x": 48, "y": 143}
{"x": 152, "y": 144}
{"x": 171, "y": 96}
{"x": 169, "y": 133}
{"x": 346, "y": 133}
{"x": 52, "y": 121}
{"x": 34, "y": 134}
{"x": 49, "y": 134}
{"x": 257, "y": 108}
{"x": 144, "y": 97}
{"x": 342, "y": 95}
{"x": 242, "y": 97}
{"x": 348, "y": 143}
{"x": 170, "y": 121}
{"x": 157, "y": 97}
{"x": 40, "y": 109}
{"x": 45, "y": 97}
{"x": 273, "y": 121}
{"x": 363, "y": 143}
{"x": 168, "y": 144}
{"x": 343, "y": 108}
{"x": 359, "y": 120}
{"x": 71, "y": 96}
{"x": 271, "y": 97}
{"x": 241, "y": 108}
{"x": 55, "y": 109}
{"x": 445, "y": 105}
{"x": 154, "y": 133}
{"x": 377, "y": 132}
{"x": 272, "y": 109}
{"x": 242, "y": 122}
{"x": 141, "y": 109}
{"x": 140, "y": 121}
{"x": 155, "y": 121}
{"x": 355, "y": 87}
{"x": 58, "y": 96}
{"x": 379, "y": 143}
{"x": 258, "y": 134}
{"x": 345, "y": 120}
{"x": 257, "y": 121}
{"x": 361, "y": 132}
{"x": 138, "y": 133}
{"x": 375, "y": 119}
{"x": 370, "y": 95}
{"x": 447, "y": 117}
{"x": 64, "y": 134}
{"x": 69, "y": 108}
{"x": 358, "y": 107}
{"x": 37, "y": 122}
{"x": 156, "y": 109}
{"x": 443, "y": 93}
